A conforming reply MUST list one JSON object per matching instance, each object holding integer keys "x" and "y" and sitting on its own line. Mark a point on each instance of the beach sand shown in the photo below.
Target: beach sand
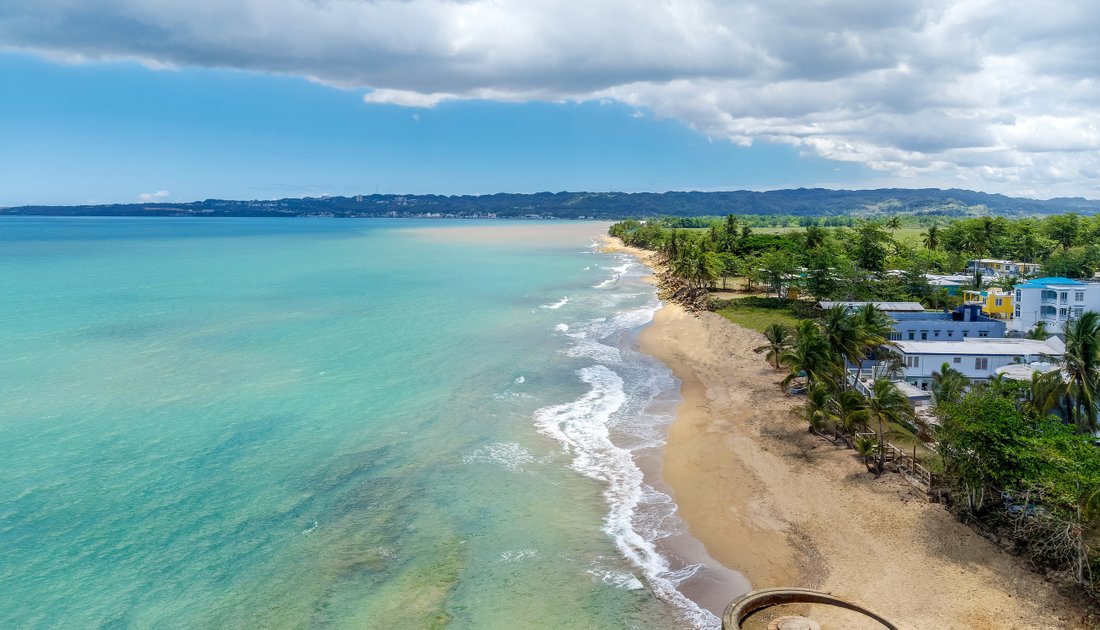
{"x": 787, "y": 508}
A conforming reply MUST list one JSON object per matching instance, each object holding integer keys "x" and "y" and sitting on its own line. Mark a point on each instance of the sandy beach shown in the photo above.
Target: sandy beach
{"x": 786, "y": 508}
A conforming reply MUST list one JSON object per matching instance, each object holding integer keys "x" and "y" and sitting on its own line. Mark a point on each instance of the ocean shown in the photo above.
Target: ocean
{"x": 289, "y": 423}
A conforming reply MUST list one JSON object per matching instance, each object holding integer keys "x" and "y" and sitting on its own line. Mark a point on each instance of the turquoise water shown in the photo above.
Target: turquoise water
{"x": 316, "y": 423}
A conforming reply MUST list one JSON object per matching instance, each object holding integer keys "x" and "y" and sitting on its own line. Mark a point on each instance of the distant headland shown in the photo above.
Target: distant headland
{"x": 801, "y": 202}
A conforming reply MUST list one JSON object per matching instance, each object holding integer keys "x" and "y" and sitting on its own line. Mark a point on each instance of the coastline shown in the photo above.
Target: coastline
{"x": 785, "y": 508}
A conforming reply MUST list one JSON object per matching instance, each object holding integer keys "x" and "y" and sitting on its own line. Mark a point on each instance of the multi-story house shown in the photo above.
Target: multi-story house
{"x": 977, "y": 359}
{"x": 965, "y": 322}
{"x": 993, "y": 301}
{"x": 1053, "y": 301}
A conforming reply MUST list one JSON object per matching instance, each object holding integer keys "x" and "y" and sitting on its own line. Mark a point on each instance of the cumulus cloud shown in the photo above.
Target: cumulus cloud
{"x": 1000, "y": 95}
{"x": 155, "y": 196}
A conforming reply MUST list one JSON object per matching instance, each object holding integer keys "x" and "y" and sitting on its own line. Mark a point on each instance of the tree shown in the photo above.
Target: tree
{"x": 894, "y": 224}
{"x": 1080, "y": 371}
{"x": 1039, "y": 332}
{"x": 932, "y": 238}
{"x": 873, "y": 328}
{"x": 814, "y": 237}
{"x": 842, "y": 338}
{"x": 949, "y": 385}
{"x": 1064, "y": 229}
{"x": 871, "y": 246}
{"x": 779, "y": 337}
{"x": 887, "y": 404}
{"x": 697, "y": 267}
{"x": 777, "y": 266}
{"x": 808, "y": 355}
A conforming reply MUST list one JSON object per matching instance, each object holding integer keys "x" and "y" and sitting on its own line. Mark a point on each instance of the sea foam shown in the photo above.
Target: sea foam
{"x": 583, "y": 429}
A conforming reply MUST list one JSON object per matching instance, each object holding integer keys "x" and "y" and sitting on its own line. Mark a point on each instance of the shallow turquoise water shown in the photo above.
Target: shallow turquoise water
{"x": 313, "y": 423}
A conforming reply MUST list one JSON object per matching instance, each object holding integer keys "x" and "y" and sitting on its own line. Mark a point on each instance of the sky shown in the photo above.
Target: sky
{"x": 176, "y": 100}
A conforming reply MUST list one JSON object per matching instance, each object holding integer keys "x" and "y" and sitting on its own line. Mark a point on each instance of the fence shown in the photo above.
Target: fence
{"x": 916, "y": 475}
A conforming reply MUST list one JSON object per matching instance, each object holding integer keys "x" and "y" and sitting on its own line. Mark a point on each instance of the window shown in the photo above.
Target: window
{"x": 981, "y": 363}
{"x": 1000, "y": 302}
{"x": 1062, "y": 313}
{"x": 951, "y": 333}
{"x": 1018, "y": 292}
{"x": 1078, "y": 311}
{"x": 958, "y": 360}
{"x": 966, "y": 333}
{"x": 936, "y": 334}
{"x": 1078, "y": 296}
{"x": 912, "y": 362}
{"x": 911, "y": 335}
{"x": 983, "y": 333}
{"x": 1017, "y": 311}
{"x": 1064, "y": 296}
{"x": 924, "y": 335}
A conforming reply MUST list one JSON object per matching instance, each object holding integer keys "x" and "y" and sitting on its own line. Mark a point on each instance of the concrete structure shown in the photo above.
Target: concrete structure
{"x": 1053, "y": 301}
{"x": 977, "y": 359}
{"x": 1024, "y": 371}
{"x": 888, "y": 307}
{"x": 993, "y": 301}
{"x": 964, "y": 323}
{"x": 999, "y": 267}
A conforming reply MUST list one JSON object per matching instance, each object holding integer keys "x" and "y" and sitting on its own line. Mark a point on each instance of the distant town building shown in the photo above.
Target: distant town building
{"x": 995, "y": 266}
{"x": 977, "y": 359}
{"x": 1053, "y": 301}
{"x": 994, "y": 302}
{"x": 952, "y": 284}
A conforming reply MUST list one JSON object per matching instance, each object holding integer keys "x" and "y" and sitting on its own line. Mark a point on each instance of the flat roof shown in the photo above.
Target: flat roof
{"x": 909, "y": 307}
{"x": 1001, "y": 347}
{"x": 1057, "y": 280}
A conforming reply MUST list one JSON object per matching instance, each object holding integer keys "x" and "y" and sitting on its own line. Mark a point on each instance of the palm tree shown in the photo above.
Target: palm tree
{"x": 932, "y": 238}
{"x": 887, "y": 404}
{"x": 1080, "y": 371}
{"x": 1039, "y": 332}
{"x": 808, "y": 355}
{"x": 948, "y": 385}
{"x": 842, "y": 337}
{"x": 697, "y": 267}
{"x": 815, "y": 237}
{"x": 874, "y": 328}
{"x": 779, "y": 337}
{"x": 893, "y": 224}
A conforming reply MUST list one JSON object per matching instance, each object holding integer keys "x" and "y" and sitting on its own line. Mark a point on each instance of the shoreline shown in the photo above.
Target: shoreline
{"x": 785, "y": 508}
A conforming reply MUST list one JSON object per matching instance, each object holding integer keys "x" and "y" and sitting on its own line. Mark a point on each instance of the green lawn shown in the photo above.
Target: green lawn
{"x": 758, "y": 318}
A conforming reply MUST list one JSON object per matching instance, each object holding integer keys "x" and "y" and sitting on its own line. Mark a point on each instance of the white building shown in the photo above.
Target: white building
{"x": 977, "y": 359}
{"x": 1054, "y": 301}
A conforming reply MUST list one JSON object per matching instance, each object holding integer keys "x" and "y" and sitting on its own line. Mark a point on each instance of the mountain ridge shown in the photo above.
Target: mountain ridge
{"x": 604, "y": 205}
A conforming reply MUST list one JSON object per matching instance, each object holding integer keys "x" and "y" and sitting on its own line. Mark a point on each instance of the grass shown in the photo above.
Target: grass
{"x": 758, "y": 318}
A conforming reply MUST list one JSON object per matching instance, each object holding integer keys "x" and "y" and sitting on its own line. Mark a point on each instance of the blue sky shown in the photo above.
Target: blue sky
{"x": 110, "y": 132}
{"x": 184, "y": 99}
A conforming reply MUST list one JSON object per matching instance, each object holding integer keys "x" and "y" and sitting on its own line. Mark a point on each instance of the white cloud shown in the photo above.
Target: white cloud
{"x": 995, "y": 95}
{"x": 155, "y": 196}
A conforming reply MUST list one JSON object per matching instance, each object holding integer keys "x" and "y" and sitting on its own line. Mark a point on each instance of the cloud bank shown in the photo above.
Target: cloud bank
{"x": 155, "y": 196}
{"x": 998, "y": 95}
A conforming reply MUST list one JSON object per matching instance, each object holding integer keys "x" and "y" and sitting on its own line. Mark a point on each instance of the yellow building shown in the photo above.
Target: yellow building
{"x": 994, "y": 302}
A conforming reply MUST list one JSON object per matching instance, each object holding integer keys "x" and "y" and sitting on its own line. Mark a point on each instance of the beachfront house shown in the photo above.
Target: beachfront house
{"x": 1053, "y": 301}
{"x": 994, "y": 302}
{"x": 977, "y": 359}
{"x": 997, "y": 267}
{"x": 965, "y": 322}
